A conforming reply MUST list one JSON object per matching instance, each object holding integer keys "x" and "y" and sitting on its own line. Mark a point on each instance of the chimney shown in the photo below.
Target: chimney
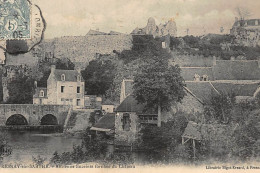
{"x": 35, "y": 84}
{"x": 53, "y": 67}
{"x": 78, "y": 69}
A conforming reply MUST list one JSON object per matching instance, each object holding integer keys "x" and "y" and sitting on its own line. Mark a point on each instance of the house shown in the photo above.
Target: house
{"x": 247, "y": 31}
{"x": 130, "y": 116}
{"x": 64, "y": 87}
{"x": 92, "y": 102}
{"x": 40, "y": 96}
{"x": 126, "y": 89}
{"x": 108, "y": 106}
{"x": 238, "y": 77}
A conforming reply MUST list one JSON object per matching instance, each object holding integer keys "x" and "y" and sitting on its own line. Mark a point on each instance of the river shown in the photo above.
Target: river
{"x": 26, "y": 144}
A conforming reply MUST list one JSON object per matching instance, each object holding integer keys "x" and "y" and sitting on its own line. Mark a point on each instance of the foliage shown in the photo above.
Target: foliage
{"x": 99, "y": 76}
{"x": 160, "y": 142}
{"x": 158, "y": 84}
{"x": 174, "y": 42}
{"x": 20, "y": 90}
{"x": 218, "y": 45}
{"x": 44, "y": 67}
{"x": 38, "y": 161}
{"x": 141, "y": 45}
{"x": 191, "y": 41}
{"x": 222, "y": 39}
{"x": 120, "y": 159}
{"x": 247, "y": 135}
{"x": 220, "y": 108}
{"x": 92, "y": 148}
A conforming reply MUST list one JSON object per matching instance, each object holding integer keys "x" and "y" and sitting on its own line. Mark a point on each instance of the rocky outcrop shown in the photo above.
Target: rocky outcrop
{"x": 169, "y": 28}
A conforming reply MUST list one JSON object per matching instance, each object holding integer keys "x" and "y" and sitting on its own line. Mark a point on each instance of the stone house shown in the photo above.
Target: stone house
{"x": 247, "y": 31}
{"x": 108, "y": 106}
{"x": 238, "y": 77}
{"x": 40, "y": 96}
{"x": 64, "y": 87}
{"x": 130, "y": 116}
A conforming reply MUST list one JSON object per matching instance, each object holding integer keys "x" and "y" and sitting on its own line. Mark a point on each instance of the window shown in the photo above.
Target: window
{"x": 41, "y": 93}
{"x": 62, "y": 99}
{"x": 79, "y": 78}
{"x": 40, "y": 101}
{"x": 63, "y": 77}
{"x": 62, "y": 89}
{"x": 78, "y": 89}
{"x": 126, "y": 122}
{"x": 78, "y": 102}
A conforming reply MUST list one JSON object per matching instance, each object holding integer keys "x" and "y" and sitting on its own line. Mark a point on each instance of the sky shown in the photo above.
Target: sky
{"x": 77, "y": 17}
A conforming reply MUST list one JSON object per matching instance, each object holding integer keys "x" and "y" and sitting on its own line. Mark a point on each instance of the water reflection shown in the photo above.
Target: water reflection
{"x": 26, "y": 144}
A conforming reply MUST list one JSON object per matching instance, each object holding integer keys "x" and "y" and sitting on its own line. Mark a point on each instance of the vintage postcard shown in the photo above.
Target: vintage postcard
{"x": 133, "y": 86}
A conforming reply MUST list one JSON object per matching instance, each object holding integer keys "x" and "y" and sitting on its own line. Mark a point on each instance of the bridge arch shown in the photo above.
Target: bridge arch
{"x": 16, "y": 119}
{"x": 49, "y": 119}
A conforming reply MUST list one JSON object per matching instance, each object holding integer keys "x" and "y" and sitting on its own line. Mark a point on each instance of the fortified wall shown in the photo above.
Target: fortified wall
{"x": 84, "y": 48}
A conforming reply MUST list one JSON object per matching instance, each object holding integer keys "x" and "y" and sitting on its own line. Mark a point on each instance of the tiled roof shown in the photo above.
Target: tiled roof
{"x": 70, "y": 75}
{"x": 204, "y": 91}
{"x": 236, "y": 70}
{"x": 188, "y": 72}
{"x": 239, "y": 89}
{"x": 105, "y": 123}
{"x": 37, "y": 92}
{"x": 107, "y": 102}
{"x": 130, "y": 104}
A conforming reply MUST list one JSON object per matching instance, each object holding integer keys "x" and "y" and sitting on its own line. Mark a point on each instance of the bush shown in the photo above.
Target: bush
{"x": 158, "y": 140}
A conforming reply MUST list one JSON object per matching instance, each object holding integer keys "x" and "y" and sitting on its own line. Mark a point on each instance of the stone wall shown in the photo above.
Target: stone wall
{"x": 193, "y": 61}
{"x": 33, "y": 113}
{"x": 84, "y": 48}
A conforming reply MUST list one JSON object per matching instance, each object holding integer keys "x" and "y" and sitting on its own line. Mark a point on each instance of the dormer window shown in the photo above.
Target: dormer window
{"x": 63, "y": 77}
{"x": 78, "y": 78}
{"x": 41, "y": 93}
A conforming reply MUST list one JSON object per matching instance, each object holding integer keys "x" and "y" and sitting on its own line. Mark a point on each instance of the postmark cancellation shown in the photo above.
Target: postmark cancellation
{"x": 15, "y": 19}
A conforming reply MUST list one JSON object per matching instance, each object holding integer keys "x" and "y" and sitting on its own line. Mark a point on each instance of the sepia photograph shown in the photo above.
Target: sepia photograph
{"x": 130, "y": 85}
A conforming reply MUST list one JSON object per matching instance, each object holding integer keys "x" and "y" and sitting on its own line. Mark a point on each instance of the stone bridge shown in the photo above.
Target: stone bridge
{"x": 33, "y": 115}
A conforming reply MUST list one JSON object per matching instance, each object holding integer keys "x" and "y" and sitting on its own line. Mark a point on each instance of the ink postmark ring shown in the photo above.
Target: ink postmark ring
{"x": 15, "y": 19}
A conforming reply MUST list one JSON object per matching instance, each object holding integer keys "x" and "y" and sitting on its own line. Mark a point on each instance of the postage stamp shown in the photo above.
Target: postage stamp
{"x": 15, "y": 19}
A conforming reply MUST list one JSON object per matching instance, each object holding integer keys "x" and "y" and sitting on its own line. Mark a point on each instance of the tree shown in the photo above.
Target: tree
{"x": 99, "y": 76}
{"x": 21, "y": 90}
{"x": 161, "y": 142}
{"x": 220, "y": 108}
{"x": 158, "y": 84}
{"x": 44, "y": 67}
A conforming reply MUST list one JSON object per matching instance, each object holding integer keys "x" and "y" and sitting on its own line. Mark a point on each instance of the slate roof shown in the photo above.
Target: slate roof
{"x": 188, "y": 72}
{"x": 192, "y": 131}
{"x": 105, "y": 123}
{"x": 107, "y": 102}
{"x": 130, "y": 104}
{"x": 236, "y": 70}
{"x": 237, "y": 88}
{"x": 70, "y": 75}
{"x": 204, "y": 91}
{"x": 37, "y": 92}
